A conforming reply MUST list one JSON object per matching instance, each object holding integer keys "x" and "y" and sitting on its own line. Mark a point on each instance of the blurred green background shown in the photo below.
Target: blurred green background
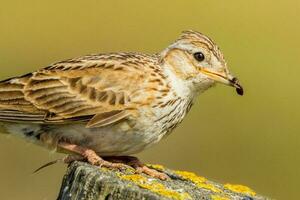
{"x": 251, "y": 140}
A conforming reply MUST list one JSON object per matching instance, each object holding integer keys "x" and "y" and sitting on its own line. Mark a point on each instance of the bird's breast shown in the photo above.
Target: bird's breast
{"x": 168, "y": 115}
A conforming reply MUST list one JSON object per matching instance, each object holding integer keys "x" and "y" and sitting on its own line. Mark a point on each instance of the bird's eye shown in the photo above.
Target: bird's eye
{"x": 199, "y": 56}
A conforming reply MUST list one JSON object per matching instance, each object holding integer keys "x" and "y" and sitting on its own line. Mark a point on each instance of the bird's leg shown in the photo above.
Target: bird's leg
{"x": 139, "y": 167}
{"x": 89, "y": 155}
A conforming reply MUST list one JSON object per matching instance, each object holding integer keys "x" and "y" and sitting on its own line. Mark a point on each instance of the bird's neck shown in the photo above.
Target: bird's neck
{"x": 182, "y": 88}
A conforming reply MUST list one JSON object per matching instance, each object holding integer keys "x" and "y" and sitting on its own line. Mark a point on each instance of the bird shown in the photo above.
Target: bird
{"x": 104, "y": 108}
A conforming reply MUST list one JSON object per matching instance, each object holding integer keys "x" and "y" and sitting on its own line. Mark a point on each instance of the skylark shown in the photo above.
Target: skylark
{"x": 112, "y": 105}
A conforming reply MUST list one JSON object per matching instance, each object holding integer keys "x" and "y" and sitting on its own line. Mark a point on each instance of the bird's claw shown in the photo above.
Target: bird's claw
{"x": 152, "y": 172}
{"x": 110, "y": 165}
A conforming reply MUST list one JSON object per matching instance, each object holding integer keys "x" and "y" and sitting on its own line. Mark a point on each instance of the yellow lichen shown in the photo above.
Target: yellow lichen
{"x": 158, "y": 167}
{"x": 210, "y": 187}
{"x": 201, "y": 182}
{"x": 191, "y": 176}
{"x": 217, "y": 197}
{"x": 136, "y": 178}
{"x": 240, "y": 189}
{"x": 155, "y": 186}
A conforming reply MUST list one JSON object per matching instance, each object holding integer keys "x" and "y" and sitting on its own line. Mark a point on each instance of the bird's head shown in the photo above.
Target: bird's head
{"x": 195, "y": 58}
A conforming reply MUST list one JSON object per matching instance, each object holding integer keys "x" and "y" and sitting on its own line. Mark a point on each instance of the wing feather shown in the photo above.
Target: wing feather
{"x": 70, "y": 98}
{"x": 104, "y": 119}
{"x": 14, "y": 115}
{"x": 99, "y": 90}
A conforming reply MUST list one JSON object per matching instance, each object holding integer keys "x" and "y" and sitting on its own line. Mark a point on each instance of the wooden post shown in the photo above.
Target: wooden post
{"x": 85, "y": 182}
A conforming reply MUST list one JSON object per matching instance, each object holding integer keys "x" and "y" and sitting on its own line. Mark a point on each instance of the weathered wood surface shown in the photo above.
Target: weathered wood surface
{"x": 83, "y": 181}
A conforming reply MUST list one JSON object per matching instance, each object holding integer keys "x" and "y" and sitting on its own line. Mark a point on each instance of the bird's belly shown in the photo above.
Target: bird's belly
{"x": 119, "y": 139}
{"x": 124, "y": 138}
{"x": 109, "y": 141}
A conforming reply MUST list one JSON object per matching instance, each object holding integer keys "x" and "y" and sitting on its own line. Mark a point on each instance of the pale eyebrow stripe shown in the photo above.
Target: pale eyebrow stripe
{"x": 214, "y": 49}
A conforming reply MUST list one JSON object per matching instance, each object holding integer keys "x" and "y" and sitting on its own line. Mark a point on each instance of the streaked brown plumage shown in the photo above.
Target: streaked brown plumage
{"x": 82, "y": 89}
{"x": 112, "y": 104}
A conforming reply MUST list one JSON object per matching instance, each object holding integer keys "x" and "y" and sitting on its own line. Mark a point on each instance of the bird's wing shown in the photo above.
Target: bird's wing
{"x": 97, "y": 89}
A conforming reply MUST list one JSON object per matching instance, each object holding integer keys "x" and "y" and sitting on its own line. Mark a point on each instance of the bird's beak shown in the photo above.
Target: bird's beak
{"x": 224, "y": 78}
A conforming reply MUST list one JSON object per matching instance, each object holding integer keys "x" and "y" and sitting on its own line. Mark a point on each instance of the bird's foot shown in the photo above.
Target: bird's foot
{"x": 113, "y": 162}
{"x": 138, "y": 166}
{"x": 151, "y": 172}
{"x": 89, "y": 155}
